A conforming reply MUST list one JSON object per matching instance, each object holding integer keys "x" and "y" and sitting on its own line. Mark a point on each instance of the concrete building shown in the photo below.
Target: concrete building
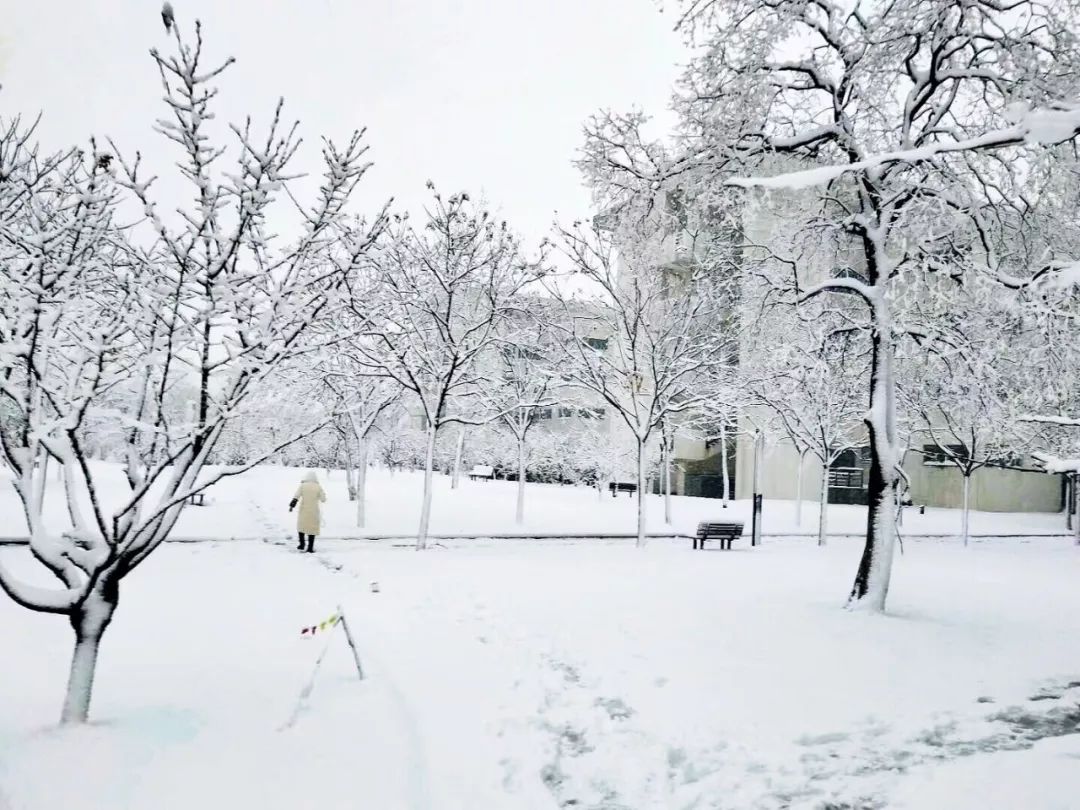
{"x": 1013, "y": 485}
{"x": 1019, "y": 488}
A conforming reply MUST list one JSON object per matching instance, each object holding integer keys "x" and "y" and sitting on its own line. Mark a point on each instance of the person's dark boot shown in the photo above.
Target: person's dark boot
{"x": 301, "y": 546}
{"x": 311, "y": 546}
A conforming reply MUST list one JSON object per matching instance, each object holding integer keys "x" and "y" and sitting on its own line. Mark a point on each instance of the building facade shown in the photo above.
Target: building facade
{"x": 1009, "y": 485}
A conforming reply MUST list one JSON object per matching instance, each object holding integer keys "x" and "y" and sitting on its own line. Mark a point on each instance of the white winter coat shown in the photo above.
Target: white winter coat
{"x": 309, "y": 516}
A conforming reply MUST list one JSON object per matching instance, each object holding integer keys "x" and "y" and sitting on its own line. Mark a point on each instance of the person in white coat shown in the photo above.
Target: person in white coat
{"x": 309, "y": 495}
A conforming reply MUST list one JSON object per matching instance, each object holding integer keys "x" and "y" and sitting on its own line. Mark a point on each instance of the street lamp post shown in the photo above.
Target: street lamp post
{"x": 759, "y": 448}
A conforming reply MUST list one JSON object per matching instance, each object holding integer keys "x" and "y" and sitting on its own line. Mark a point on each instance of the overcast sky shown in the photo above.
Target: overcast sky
{"x": 483, "y": 95}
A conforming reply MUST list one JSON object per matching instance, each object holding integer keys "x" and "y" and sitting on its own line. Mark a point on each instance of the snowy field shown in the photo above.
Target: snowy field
{"x": 555, "y": 674}
{"x": 255, "y": 505}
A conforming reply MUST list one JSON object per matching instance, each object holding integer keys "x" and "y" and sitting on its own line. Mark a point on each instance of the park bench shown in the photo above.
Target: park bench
{"x": 621, "y": 486}
{"x": 197, "y": 499}
{"x": 724, "y": 532}
{"x": 483, "y": 472}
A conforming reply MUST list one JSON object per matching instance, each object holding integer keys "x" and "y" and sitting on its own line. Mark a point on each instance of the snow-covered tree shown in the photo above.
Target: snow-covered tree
{"x": 520, "y": 386}
{"x": 961, "y": 375}
{"x": 98, "y": 325}
{"x": 442, "y": 292}
{"x": 398, "y": 444}
{"x": 811, "y": 378}
{"x": 645, "y": 337}
{"x": 1047, "y": 392}
{"x": 358, "y": 400}
{"x": 886, "y": 108}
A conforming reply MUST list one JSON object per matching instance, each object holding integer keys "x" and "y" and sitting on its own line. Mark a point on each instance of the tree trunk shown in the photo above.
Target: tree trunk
{"x": 44, "y": 474}
{"x": 823, "y": 506}
{"x": 457, "y": 458}
{"x": 1076, "y": 515}
{"x": 667, "y": 482}
{"x": 871, "y": 585}
{"x": 641, "y": 508}
{"x": 361, "y": 482}
{"x": 350, "y": 471}
{"x": 965, "y": 520}
{"x": 1070, "y": 494}
{"x": 798, "y": 490}
{"x": 425, "y": 507}
{"x": 723, "y": 464}
{"x": 89, "y": 622}
{"x": 519, "y": 515}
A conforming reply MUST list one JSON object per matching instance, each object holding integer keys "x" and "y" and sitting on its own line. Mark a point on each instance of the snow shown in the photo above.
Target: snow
{"x": 1047, "y": 126}
{"x": 255, "y": 505}
{"x": 539, "y": 674}
{"x": 1046, "y": 776}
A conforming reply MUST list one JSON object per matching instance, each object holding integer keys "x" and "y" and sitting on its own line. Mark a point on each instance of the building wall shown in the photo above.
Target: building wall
{"x": 687, "y": 449}
{"x": 992, "y": 489}
{"x": 778, "y": 472}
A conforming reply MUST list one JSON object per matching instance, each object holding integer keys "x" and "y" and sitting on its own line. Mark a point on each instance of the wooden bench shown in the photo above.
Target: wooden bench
{"x": 621, "y": 486}
{"x": 197, "y": 499}
{"x": 724, "y": 532}
{"x": 482, "y": 472}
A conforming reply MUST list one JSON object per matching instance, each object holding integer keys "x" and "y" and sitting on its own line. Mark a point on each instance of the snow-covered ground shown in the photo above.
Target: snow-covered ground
{"x": 547, "y": 674}
{"x": 256, "y": 504}
{"x": 488, "y": 507}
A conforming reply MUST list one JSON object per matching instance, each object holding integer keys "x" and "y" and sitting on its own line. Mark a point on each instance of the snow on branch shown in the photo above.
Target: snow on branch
{"x": 1053, "y": 464}
{"x": 1061, "y": 421}
{"x": 1046, "y": 126}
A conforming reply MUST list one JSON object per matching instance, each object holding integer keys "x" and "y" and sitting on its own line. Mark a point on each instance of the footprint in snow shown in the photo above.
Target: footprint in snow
{"x": 823, "y": 739}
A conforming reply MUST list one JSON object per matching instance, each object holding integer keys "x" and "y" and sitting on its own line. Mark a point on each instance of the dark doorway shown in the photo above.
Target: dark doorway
{"x": 849, "y": 477}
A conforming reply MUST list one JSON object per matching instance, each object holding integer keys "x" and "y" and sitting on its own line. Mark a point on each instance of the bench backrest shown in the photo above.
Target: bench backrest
{"x": 725, "y": 529}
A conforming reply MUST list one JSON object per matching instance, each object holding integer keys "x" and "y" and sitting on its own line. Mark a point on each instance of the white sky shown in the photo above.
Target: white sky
{"x": 481, "y": 95}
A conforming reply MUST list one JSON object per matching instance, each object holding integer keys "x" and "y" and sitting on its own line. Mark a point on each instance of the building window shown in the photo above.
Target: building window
{"x": 935, "y": 456}
{"x": 591, "y": 413}
{"x": 543, "y": 413}
{"x": 851, "y": 469}
{"x": 565, "y": 413}
{"x": 853, "y": 457}
{"x": 512, "y": 353}
{"x": 1008, "y": 460}
{"x": 846, "y": 478}
{"x": 850, "y": 273}
{"x": 596, "y": 343}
